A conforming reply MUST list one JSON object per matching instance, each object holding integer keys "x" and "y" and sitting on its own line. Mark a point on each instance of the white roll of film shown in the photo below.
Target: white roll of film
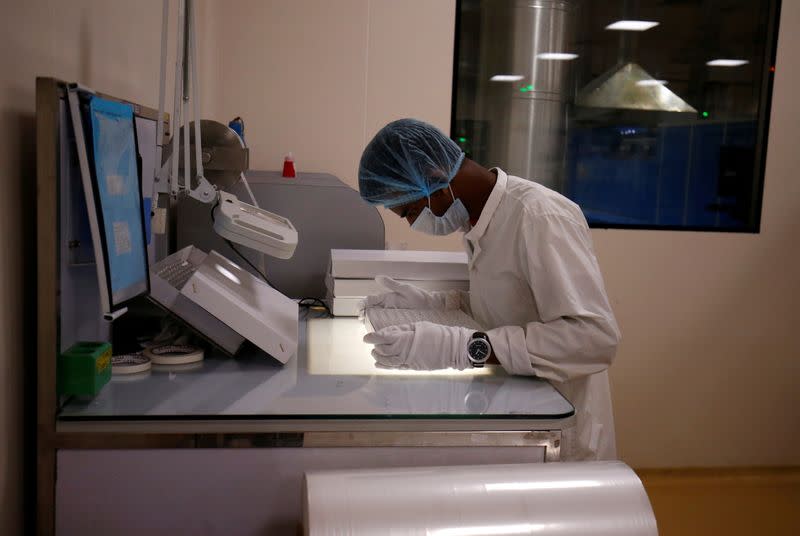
{"x": 587, "y": 498}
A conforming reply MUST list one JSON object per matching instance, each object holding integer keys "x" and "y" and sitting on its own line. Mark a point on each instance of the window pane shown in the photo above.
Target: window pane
{"x": 648, "y": 114}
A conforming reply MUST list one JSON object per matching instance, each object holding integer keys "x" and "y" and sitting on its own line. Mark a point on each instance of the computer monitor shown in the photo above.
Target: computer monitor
{"x": 111, "y": 170}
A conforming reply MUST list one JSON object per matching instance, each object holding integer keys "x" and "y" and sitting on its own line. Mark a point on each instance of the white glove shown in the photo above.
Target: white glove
{"x": 404, "y": 296}
{"x": 421, "y": 346}
{"x": 407, "y": 296}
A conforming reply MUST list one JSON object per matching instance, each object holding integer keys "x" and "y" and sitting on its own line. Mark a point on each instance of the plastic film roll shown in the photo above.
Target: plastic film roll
{"x": 589, "y": 498}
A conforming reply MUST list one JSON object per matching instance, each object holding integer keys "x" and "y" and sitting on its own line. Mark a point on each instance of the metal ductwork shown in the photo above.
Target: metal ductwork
{"x": 527, "y": 119}
{"x": 629, "y": 87}
{"x": 525, "y": 123}
{"x": 538, "y": 120}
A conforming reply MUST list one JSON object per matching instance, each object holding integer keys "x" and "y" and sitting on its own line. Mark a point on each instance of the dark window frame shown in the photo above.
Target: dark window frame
{"x": 762, "y": 132}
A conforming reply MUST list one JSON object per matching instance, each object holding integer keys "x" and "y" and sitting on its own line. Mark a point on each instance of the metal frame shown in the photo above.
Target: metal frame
{"x": 48, "y": 93}
{"x": 259, "y": 425}
{"x": 316, "y": 433}
{"x": 550, "y": 440}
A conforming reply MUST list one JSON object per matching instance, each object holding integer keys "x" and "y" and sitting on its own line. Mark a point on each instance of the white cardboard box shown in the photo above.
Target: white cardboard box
{"x": 247, "y": 304}
{"x": 345, "y": 306}
{"x": 357, "y": 288}
{"x": 399, "y": 264}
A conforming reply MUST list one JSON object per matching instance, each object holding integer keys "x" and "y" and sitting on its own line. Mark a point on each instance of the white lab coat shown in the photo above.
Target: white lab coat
{"x": 535, "y": 284}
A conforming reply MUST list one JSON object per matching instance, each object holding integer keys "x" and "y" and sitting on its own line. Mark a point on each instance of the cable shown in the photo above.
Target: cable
{"x": 239, "y": 253}
{"x": 249, "y": 191}
{"x": 315, "y": 302}
{"x": 316, "y": 305}
{"x": 253, "y": 266}
{"x": 262, "y": 258}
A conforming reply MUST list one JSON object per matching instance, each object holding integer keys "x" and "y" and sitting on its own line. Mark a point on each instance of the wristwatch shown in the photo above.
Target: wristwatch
{"x": 478, "y": 349}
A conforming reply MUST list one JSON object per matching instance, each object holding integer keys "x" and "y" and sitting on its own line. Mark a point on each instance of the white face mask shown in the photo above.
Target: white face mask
{"x": 455, "y": 218}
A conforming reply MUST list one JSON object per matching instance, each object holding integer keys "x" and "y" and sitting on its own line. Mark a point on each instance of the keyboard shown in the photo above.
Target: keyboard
{"x": 177, "y": 273}
{"x": 379, "y": 318}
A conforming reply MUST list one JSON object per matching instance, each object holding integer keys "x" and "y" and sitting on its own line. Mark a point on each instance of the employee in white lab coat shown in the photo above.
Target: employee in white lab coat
{"x": 535, "y": 284}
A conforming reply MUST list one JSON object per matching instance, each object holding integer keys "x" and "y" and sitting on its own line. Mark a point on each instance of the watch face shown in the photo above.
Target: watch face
{"x": 479, "y": 350}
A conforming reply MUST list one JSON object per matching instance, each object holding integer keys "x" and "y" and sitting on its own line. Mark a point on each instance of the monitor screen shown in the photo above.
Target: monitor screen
{"x": 116, "y": 178}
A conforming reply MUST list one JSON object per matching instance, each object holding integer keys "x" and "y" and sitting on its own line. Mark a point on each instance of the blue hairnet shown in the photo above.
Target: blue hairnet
{"x": 406, "y": 161}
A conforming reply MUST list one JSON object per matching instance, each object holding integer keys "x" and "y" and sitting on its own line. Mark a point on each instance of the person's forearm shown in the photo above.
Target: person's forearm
{"x": 558, "y": 350}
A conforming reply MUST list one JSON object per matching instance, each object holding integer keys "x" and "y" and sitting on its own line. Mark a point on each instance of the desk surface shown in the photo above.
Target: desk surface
{"x": 332, "y": 377}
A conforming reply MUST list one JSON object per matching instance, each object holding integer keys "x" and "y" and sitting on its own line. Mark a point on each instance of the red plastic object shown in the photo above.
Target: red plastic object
{"x": 288, "y": 167}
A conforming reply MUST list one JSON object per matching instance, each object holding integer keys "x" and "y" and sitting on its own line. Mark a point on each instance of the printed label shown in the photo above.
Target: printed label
{"x": 159, "y": 221}
{"x": 102, "y": 362}
{"x": 122, "y": 237}
{"x": 115, "y": 184}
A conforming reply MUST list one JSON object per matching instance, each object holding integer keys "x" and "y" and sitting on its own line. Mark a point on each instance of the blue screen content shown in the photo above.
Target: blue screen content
{"x": 116, "y": 170}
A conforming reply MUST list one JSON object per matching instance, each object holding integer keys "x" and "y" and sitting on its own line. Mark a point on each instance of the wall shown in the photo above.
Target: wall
{"x": 704, "y": 376}
{"x": 320, "y": 78}
{"x": 112, "y": 46}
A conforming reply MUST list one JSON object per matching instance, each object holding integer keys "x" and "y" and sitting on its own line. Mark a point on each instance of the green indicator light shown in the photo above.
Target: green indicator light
{"x": 705, "y": 114}
{"x": 462, "y": 140}
{"x": 530, "y": 88}
{"x": 523, "y": 89}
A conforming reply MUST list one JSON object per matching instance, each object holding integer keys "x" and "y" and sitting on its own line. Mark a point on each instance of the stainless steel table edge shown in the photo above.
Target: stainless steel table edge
{"x": 306, "y": 425}
{"x": 314, "y": 434}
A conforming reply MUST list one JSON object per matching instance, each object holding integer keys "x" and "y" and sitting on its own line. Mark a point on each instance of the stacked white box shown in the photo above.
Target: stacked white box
{"x": 351, "y": 274}
{"x": 399, "y": 264}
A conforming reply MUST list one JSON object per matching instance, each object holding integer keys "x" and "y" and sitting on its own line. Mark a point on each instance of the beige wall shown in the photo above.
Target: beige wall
{"x": 319, "y": 78}
{"x": 706, "y": 371}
